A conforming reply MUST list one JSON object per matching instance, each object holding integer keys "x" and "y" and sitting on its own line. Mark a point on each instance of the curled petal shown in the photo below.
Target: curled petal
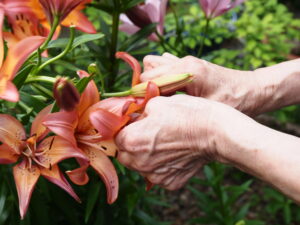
{"x": 134, "y": 64}
{"x": 90, "y": 95}
{"x": 107, "y": 123}
{"x": 37, "y": 127}
{"x": 52, "y": 150}
{"x": 7, "y": 155}
{"x": 55, "y": 176}
{"x": 63, "y": 124}
{"x": 25, "y": 179}
{"x": 11, "y": 132}
{"x": 79, "y": 176}
{"x": 104, "y": 167}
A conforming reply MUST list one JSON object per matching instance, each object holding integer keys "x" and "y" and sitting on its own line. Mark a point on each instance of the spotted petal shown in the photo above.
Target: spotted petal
{"x": 104, "y": 167}
{"x": 52, "y": 150}
{"x": 37, "y": 127}
{"x": 11, "y": 132}
{"x": 25, "y": 179}
{"x": 55, "y": 176}
{"x": 7, "y": 155}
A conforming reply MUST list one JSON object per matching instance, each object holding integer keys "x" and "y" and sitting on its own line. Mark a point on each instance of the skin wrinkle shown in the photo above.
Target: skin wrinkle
{"x": 193, "y": 130}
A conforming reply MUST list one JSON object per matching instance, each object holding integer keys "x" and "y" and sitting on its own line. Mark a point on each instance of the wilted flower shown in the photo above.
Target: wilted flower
{"x": 214, "y": 8}
{"x": 153, "y": 11}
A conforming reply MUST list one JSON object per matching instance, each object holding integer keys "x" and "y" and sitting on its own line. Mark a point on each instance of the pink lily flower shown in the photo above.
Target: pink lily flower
{"x": 37, "y": 156}
{"x": 153, "y": 11}
{"x": 214, "y": 8}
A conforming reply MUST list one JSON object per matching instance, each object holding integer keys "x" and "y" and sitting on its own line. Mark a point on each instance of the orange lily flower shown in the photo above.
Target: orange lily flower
{"x": 92, "y": 128}
{"x": 15, "y": 58}
{"x": 36, "y": 156}
{"x": 68, "y": 10}
{"x": 10, "y": 8}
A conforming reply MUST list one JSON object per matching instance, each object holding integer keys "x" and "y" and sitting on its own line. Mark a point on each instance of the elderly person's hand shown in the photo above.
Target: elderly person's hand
{"x": 176, "y": 136}
{"x": 251, "y": 92}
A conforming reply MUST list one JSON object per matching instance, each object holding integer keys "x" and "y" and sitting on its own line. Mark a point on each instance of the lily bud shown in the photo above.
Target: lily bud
{"x": 138, "y": 17}
{"x": 66, "y": 94}
{"x": 166, "y": 84}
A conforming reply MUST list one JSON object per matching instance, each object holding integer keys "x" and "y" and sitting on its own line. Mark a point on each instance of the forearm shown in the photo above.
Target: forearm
{"x": 265, "y": 153}
{"x": 279, "y": 86}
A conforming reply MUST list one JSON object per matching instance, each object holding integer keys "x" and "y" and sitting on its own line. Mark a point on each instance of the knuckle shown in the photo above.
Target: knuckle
{"x": 147, "y": 59}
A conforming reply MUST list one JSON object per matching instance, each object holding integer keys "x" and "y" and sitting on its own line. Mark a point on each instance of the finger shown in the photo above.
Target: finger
{"x": 153, "y": 61}
{"x": 170, "y": 56}
{"x": 156, "y": 72}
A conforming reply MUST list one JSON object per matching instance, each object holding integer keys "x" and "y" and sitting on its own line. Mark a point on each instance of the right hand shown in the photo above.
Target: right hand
{"x": 236, "y": 88}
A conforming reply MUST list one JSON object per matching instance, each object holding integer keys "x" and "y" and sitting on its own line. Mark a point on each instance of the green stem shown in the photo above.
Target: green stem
{"x": 62, "y": 54}
{"x": 178, "y": 28}
{"x": 45, "y": 79}
{"x": 113, "y": 47}
{"x": 51, "y": 33}
{"x": 203, "y": 37}
{"x": 117, "y": 94}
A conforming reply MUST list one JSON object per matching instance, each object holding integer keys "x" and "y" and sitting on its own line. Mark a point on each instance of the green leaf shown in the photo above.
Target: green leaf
{"x": 62, "y": 42}
{"x": 82, "y": 83}
{"x": 22, "y": 76}
{"x": 32, "y": 101}
{"x": 92, "y": 198}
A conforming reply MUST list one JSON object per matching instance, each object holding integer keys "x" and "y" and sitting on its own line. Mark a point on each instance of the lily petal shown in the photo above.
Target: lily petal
{"x": 37, "y": 127}
{"x": 1, "y": 36}
{"x": 90, "y": 96}
{"x": 11, "y": 132}
{"x": 79, "y": 176}
{"x": 81, "y": 22}
{"x": 25, "y": 179}
{"x": 7, "y": 155}
{"x": 55, "y": 176}
{"x": 107, "y": 123}
{"x": 63, "y": 124}
{"x": 8, "y": 91}
{"x": 52, "y": 150}
{"x": 17, "y": 55}
{"x": 104, "y": 167}
{"x": 134, "y": 64}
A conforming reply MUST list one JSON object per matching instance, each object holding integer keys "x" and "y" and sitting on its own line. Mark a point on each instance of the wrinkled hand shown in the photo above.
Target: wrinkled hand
{"x": 238, "y": 89}
{"x": 172, "y": 140}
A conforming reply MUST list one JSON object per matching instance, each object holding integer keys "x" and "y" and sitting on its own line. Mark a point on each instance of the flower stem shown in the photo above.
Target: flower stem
{"x": 45, "y": 79}
{"x": 117, "y": 94}
{"x": 113, "y": 69}
{"x": 62, "y": 54}
{"x": 51, "y": 33}
{"x": 203, "y": 37}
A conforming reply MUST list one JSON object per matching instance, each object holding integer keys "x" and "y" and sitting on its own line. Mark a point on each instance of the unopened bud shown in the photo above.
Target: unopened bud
{"x": 166, "y": 84}
{"x": 138, "y": 16}
{"x": 65, "y": 93}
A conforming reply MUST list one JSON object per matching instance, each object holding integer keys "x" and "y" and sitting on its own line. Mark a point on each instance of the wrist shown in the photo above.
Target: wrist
{"x": 278, "y": 86}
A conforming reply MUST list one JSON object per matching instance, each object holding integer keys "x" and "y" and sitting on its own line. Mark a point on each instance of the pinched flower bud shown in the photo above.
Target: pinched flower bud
{"x": 66, "y": 95}
{"x": 138, "y": 16}
{"x": 166, "y": 84}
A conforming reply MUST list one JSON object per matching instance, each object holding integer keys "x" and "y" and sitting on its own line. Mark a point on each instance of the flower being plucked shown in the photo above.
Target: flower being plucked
{"x": 214, "y": 8}
{"x": 36, "y": 156}
{"x": 153, "y": 11}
